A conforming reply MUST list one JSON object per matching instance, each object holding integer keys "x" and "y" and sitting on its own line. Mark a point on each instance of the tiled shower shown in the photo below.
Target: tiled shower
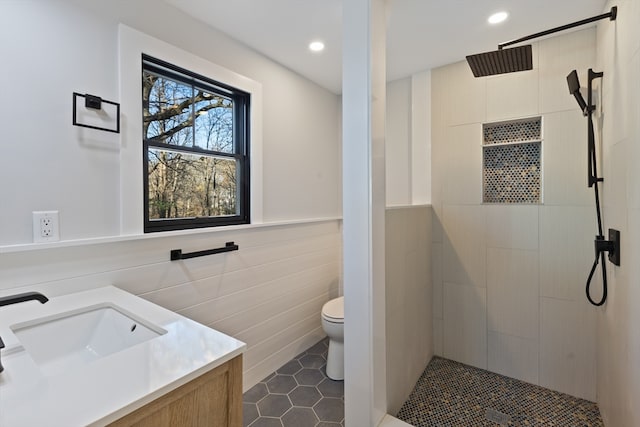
{"x": 509, "y": 263}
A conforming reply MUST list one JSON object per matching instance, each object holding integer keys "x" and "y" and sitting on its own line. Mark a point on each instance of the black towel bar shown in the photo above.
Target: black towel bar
{"x": 176, "y": 254}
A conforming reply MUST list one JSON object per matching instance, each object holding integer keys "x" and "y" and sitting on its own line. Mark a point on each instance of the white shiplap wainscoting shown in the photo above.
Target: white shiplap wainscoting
{"x": 268, "y": 294}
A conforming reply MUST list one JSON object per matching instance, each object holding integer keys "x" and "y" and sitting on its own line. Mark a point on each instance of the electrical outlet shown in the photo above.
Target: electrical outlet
{"x": 46, "y": 226}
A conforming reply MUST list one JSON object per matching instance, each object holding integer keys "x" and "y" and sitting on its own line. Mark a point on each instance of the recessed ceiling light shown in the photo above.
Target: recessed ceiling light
{"x": 316, "y": 46}
{"x": 498, "y": 17}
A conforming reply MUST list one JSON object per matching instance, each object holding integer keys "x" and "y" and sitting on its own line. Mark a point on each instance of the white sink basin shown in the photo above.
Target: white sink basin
{"x": 59, "y": 342}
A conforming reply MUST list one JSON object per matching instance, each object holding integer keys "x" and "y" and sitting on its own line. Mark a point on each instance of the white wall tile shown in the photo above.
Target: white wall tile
{"x": 465, "y": 99}
{"x": 409, "y": 323}
{"x": 464, "y": 248}
{"x": 566, "y": 251}
{"x": 465, "y": 324}
{"x": 438, "y": 163}
{"x": 632, "y": 317}
{"x": 513, "y": 254}
{"x": 436, "y": 223}
{"x": 618, "y": 102}
{"x": 567, "y": 347}
{"x": 436, "y": 279}
{"x": 463, "y": 174}
{"x": 564, "y": 160}
{"x": 397, "y": 359}
{"x": 513, "y": 95}
{"x": 628, "y": 37}
{"x": 618, "y": 341}
{"x": 396, "y": 275}
{"x": 438, "y": 337}
{"x": 633, "y": 176}
{"x": 514, "y": 357}
{"x": 618, "y": 171}
{"x": 558, "y": 56}
{"x": 512, "y": 292}
{"x": 514, "y": 226}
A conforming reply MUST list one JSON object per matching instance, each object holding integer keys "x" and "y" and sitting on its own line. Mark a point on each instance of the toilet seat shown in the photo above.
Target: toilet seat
{"x": 333, "y": 311}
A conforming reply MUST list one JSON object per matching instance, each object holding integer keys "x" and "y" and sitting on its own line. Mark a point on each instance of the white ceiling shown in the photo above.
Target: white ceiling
{"x": 422, "y": 34}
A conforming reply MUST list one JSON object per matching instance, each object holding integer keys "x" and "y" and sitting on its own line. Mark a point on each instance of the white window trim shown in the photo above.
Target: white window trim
{"x": 132, "y": 44}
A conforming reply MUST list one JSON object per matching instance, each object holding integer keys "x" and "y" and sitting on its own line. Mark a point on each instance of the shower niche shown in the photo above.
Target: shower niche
{"x": 511, "y": 161}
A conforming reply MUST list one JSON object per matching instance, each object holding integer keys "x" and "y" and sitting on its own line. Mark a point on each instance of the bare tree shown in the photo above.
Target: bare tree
{"x": 188, "y": 184}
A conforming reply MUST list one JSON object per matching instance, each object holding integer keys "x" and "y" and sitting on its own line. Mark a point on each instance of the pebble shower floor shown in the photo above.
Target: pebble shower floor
{"x": 450, "y": 394}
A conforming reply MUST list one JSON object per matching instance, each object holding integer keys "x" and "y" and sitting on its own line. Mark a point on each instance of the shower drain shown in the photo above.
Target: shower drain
{"x": 497, "y": 417}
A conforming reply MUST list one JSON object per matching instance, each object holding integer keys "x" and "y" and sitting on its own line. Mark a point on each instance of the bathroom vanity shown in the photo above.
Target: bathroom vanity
{"x": 213, "y": 399}
{"x": 106, "y": 357}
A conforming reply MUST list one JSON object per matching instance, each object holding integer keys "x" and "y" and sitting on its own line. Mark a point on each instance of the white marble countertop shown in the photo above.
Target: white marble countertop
{"x": 106, "y": 389}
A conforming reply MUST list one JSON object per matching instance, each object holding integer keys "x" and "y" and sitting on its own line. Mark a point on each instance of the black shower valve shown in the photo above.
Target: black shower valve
{"x": 611, "y": 246}
{"x": 602, "y": 245}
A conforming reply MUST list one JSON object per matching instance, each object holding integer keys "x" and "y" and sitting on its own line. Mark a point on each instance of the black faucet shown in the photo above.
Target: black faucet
{"x": 15, "y": 299}
{"x": 27, "y": 296}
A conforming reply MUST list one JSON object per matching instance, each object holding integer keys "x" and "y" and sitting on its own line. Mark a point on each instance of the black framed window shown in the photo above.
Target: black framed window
{"x": 196, "y": 149}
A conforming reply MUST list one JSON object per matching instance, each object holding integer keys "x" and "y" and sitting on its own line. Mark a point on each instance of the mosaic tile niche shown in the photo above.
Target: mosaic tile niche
{"x": 511, "y": 161}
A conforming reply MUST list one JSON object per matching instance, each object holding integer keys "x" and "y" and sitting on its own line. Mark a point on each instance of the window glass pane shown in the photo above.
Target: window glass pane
{"x": 167, "y": 109}
{"x": 185, "y": 185}
{"x": 214, "y": 122}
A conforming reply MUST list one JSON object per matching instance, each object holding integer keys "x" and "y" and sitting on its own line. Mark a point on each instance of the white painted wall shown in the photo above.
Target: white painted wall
{"x": 72, "y": 45}
{"x": 398, "y": 143}
{"x": 270, "y": 292}
{"x": 618, "y": 344}
{"x": 508, "y": 280}
{"x": 408, "y": 141}
{"x": 408, "y": 293}
{"x": 421, "y": 138}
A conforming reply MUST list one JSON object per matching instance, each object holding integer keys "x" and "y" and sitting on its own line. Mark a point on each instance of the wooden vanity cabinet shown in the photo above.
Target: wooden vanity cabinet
{"x": 214, "y": 399}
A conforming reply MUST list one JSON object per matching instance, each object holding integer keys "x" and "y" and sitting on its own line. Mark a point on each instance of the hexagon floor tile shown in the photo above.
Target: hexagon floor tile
{"x": 299, "y": 394}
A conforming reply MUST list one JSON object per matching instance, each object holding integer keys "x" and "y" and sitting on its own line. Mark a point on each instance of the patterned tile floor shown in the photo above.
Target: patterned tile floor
{"x": 299, "y": 394}
{"x": 450, "y": 394}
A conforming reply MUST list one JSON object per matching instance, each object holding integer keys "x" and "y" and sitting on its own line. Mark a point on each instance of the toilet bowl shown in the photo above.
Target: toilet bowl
{"x": 333, "y": 326}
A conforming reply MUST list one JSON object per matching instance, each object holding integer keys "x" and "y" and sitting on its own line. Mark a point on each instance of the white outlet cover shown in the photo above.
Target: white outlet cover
{"x": 46, "y": 226}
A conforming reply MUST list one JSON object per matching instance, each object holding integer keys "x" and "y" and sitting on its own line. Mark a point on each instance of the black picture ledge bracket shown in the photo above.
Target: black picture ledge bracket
{"x": 176, "y": 254}
{"x": 612, "y": 246}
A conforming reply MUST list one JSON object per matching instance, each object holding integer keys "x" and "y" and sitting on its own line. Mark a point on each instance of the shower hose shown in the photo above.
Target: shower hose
{"x": 599, "y": 254}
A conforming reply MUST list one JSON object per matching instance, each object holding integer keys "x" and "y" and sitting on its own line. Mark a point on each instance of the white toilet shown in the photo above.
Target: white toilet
{"x": 333, "y": 325}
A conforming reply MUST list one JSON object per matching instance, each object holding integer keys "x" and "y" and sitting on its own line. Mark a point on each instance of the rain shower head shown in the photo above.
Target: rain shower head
{"x": 574, "y": 89}
{"x": 519, "y": 58}
{"x": 501, "y": 61}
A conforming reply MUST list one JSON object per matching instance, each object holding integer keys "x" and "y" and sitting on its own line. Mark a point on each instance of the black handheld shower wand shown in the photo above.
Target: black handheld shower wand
{"x": 612, "y": 246}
